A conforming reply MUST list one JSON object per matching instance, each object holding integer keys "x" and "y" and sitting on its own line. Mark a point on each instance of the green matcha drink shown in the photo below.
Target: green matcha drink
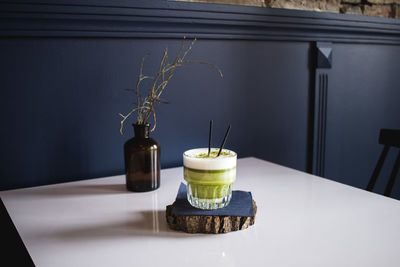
{"x": 209, "y": 178}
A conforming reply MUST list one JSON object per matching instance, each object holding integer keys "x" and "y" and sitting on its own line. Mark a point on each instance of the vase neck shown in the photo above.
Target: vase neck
{"x": 141, "y": 130}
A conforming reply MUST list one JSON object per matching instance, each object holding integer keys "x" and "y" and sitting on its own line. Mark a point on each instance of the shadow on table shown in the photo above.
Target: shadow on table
{"x": 142, "y": 224}
{"x": 77, "y": 190}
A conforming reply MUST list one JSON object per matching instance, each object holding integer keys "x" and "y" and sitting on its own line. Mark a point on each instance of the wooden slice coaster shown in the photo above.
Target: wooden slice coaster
{"x": 208, "y": 224}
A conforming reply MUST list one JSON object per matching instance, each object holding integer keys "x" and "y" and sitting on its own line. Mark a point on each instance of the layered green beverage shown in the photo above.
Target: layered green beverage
{"x": 209, "y": 177}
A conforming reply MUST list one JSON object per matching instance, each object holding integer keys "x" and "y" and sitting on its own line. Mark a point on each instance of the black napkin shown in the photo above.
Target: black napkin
{"x": 241, "y": 204}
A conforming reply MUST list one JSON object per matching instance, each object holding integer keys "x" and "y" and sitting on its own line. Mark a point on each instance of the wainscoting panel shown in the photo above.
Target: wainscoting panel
{"x": 363, "y": 97}
{"x": 66, "y": 64}
{"x": 64, "y": 95}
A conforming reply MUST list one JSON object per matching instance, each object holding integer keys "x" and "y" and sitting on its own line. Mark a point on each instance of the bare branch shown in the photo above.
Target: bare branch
{"x": 206, "y": 63}
{"x": 180, "y": 49}
{"x": 155, "y": 122}
{"x": 189, "y": 48}
{"x": 139, "y": 80}
{"x": 145, "y": 106}
{"x": 125, "y": 117}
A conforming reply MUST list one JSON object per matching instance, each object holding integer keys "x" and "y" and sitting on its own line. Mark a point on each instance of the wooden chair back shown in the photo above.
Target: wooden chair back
{"x": 389, "y": 138}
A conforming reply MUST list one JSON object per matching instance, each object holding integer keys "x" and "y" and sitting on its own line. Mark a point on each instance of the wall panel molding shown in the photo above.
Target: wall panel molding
{"x": 320, "y": 124}
{"x": 169, "y": 19}
{"x": 323, "y": 55}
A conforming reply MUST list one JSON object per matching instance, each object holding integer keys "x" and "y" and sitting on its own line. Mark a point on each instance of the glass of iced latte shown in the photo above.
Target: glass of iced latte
{"x": 209, "y": 177}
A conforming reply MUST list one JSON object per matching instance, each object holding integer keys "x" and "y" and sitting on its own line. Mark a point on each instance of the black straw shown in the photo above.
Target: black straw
{"x": 223, "y": 141}
{"x": 209, "y": 138}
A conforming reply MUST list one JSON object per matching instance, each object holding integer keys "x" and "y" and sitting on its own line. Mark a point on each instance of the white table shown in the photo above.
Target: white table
{"x": 302, "y": 220}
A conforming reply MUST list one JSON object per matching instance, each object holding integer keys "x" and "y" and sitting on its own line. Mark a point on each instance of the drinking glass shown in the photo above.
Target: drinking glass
{"x": 209, "y": 177}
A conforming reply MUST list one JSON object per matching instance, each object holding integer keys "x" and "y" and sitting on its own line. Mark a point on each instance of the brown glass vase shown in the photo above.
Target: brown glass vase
{"x": 142, "y": 161}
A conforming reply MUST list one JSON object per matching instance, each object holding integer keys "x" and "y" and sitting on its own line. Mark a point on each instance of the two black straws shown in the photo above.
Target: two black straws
{"x": 223, "y": 141}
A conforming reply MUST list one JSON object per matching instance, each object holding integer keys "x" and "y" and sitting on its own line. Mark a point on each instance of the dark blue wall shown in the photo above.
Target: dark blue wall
{"x": 64, "y": 96}
{"x": 280, "y": 101}
{"x": 362, "y": 100}
{"x": 63, "y": 78}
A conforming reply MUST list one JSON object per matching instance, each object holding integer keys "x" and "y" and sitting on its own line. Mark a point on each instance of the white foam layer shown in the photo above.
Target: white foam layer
{"x": 220, "y": 163}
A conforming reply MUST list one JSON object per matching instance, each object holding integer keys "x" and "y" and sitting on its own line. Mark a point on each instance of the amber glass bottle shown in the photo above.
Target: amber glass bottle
{"x": 142, "y": 161}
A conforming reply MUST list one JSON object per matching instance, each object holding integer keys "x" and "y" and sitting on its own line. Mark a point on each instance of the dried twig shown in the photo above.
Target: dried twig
{"x": 145, "y": 106}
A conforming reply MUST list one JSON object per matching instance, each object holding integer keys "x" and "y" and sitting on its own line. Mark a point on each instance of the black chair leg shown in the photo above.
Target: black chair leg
{"x": 378, "y": 168}
{"x": 393, "y": 176}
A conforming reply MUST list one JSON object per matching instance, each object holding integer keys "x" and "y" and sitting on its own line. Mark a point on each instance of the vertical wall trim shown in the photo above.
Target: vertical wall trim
{"x": 324, "y": 61}
{"x": 321, "y": 125}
